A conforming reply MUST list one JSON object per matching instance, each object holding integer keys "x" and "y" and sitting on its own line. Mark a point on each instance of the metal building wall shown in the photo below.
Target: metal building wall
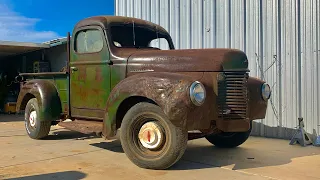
{"x": 281, "y": 39}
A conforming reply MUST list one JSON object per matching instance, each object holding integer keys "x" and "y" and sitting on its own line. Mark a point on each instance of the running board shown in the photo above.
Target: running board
{"x": 83, "y": 126}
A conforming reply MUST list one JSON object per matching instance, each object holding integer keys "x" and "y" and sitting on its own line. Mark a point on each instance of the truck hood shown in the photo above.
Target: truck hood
{"x": 194, "y": 60}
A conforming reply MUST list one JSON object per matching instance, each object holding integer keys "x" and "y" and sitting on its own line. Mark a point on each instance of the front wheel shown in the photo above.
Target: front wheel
{"x": 149, "y": 139}
{"x": 229, "y": 139}
{"x": 36, "y": 128}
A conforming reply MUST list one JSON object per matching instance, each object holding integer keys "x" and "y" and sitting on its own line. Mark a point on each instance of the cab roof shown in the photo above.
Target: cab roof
{"x": 105, "y": 21}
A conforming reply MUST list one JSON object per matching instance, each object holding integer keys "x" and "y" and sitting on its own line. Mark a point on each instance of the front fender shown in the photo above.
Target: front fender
{"x": 47, "y": 96}
{"x": 257, "y": 106}
{"x": 168, "y": 90}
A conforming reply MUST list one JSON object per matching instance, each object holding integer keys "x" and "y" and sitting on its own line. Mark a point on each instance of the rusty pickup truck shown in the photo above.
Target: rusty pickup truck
{"x": 125, "y": 80}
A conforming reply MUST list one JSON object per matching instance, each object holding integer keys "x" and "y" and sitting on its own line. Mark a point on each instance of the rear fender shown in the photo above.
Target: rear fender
{"x": 170, "y": 91}
{"x": 46, "y": 94}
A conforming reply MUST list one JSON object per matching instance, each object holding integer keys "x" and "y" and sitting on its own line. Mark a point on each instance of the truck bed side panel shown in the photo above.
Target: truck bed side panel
{"x": 60, "y": 80}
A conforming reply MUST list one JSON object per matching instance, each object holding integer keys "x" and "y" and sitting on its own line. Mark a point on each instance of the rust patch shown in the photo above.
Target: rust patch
{"x": 83, "y": 93}
{"x": 99, "y": 76}
{"x": 83, "y": 126}
{"x": 257, "y": 106}
{"x": 66, "y": 108}
{"x": 194, "y": 60}
{"x": 162, "y": 76}
{"x": 168, "y": 90}
{"x": 82, "y": 74}
{"x": 47, "y": 96}
{"x": 232, "y": 99}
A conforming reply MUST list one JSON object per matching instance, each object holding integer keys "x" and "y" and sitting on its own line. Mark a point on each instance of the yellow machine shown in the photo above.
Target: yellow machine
{"x": 10, "y": 107}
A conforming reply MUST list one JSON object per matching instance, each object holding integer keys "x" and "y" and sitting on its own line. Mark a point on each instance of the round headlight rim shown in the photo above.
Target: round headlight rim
{"x": 192, "y": 97}
{"x": 262, "y": 93}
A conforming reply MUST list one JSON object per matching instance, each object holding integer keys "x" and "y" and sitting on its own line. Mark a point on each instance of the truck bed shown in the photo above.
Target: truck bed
{"x": 59, "y": 79}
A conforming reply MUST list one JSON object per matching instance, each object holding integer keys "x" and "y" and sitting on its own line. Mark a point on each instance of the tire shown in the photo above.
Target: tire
{"x": 229, "y": 139}
{"x": 170, "y": 147}
{"x": 36, "y": 128}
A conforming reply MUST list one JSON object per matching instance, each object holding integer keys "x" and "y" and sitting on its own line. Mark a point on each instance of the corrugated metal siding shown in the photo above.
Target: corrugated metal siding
{"x": 281, "y": 39}
{"x": 310, "y": 56}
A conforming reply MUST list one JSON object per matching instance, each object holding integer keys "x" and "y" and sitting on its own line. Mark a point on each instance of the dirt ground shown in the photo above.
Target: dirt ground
{"x": 71, "y": 155}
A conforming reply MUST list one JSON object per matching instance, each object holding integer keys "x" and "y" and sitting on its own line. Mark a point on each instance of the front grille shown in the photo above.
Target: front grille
{"x": 232, "y": 95}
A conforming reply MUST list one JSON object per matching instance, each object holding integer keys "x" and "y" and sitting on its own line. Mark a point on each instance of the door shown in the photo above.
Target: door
{"x": 89, "y": 73}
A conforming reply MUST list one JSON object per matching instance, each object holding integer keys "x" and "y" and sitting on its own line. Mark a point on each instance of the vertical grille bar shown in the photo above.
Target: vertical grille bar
{"x": 233, "y": 95}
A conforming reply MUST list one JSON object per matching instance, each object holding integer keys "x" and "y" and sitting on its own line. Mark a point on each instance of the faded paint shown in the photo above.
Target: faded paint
{"x": 162, "y": 88}
{"x": 47, "y": 95}
{"x": 90, "y": 84}
{"x": 103, "y": 81}
{"x": 196, "y": 60}
{"x": 60, "y": 82}
{"x": 280, "y": 37}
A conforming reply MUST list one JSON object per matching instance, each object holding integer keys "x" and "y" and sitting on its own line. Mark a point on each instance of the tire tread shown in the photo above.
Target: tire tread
{"x": 229, "y": 142}
{"x": 44, "y": 125}
{"x": 176, "y": 150}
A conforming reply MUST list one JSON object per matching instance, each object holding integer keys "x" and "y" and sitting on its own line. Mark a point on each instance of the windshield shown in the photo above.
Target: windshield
{"x": 131, "y": 36}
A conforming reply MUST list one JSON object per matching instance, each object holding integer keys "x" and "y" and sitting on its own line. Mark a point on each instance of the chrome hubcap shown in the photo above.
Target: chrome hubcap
{"x": 151, "y": 135}
{"x": 32, "y": 118}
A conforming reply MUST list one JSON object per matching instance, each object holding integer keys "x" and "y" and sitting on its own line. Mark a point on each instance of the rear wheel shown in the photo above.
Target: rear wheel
{"x": 229, "y": 139}
{"x": 36, "y": 127}
{"x": 149, "y": 139}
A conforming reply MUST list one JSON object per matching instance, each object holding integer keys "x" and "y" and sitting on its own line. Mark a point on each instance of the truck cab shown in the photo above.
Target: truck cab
{"x": 124, "y": 76}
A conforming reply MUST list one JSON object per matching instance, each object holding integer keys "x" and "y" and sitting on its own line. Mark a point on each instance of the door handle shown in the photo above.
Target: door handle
{"x": 74, "y": 68}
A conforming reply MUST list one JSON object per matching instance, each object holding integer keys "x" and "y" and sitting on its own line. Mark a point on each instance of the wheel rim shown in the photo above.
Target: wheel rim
{"x": 151, "y": 135}
{"x": 141, "y": 146}
{"x": 32, "y": 118}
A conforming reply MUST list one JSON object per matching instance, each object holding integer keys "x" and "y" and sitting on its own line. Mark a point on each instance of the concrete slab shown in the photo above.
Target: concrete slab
{"x": 71, "y": 155}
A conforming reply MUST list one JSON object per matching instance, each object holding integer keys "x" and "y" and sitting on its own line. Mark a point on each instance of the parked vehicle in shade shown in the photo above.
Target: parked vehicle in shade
{"x": 116, "y": 81}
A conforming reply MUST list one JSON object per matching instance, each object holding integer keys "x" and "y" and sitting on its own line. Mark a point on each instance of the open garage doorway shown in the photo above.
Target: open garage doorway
{"x": 15, "y": 58}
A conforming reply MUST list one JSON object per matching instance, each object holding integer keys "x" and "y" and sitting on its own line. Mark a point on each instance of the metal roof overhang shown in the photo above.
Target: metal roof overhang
{"x": 10, "y": 48}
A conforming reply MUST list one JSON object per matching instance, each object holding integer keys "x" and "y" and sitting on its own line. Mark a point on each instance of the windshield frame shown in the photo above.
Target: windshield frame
{"x": 156, "y": 29}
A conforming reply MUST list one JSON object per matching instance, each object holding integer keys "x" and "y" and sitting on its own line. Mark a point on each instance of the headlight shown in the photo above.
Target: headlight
{"x": 197, "y": 93}
{"x": 265, "y": 91}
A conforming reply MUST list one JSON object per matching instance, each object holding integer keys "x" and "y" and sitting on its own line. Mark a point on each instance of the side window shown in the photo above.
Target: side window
{"x": 160, "y": 43}
{"x": 89, "y": 41}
